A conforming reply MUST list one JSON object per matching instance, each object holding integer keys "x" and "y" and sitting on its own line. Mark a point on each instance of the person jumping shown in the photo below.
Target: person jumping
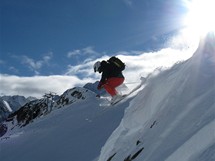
{"x": 112, "y": 76}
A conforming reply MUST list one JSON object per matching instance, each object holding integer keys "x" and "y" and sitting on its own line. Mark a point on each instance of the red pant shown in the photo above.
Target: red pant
{"x": 111, "y": 84}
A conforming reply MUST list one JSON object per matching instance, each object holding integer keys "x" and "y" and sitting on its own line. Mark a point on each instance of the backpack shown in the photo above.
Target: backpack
{"x": 117, "y": 63}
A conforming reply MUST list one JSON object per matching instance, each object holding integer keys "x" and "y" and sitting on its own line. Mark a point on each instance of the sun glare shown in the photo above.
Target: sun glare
{"x": 201, "y": 16}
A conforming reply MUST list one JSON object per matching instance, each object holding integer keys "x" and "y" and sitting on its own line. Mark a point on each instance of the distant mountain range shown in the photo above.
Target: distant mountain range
{"x": 11, "y": 105}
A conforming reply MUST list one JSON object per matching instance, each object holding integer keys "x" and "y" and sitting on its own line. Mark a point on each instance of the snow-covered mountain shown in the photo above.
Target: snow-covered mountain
{"x": 41, "y": 107}
{"x": 171, "y": 118}
{"x": 10, "y": 104}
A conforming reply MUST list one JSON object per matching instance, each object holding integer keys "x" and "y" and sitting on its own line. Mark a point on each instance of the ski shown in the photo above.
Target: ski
{"x": 143, "y": 81}
{"x": 117, "y": 101}
{"x": 125, "y": 95}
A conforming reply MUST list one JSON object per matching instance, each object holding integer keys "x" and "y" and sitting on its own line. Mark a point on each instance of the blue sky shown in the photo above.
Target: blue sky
{"x": 37, "y": 34}
{"x": 44, "y": 38}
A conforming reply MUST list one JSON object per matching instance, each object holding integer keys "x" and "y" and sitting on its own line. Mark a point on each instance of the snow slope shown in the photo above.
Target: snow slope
{"x": 76, "y": 131}
{"x": 173, "y": 118}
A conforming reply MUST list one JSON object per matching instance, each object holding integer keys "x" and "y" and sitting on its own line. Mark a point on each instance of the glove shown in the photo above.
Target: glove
{"x": 100, "y": 85}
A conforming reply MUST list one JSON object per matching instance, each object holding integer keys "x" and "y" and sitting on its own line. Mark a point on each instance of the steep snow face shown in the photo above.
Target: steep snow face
{"x": 173, "y": 117}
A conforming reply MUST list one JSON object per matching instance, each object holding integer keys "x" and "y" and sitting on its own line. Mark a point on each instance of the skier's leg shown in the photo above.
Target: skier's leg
{"x": 111, "y": 84}
{"x": 112, "y": 91}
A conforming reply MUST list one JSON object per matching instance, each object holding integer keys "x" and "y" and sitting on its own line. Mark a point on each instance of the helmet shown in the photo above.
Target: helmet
{"x": 96, "y": 66}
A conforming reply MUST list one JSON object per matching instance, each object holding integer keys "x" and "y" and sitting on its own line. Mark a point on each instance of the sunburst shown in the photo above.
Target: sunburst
{"x": 201, "y": 16}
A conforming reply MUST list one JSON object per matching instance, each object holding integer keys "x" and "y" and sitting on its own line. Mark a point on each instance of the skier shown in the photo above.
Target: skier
{"x": 112, "y": 76}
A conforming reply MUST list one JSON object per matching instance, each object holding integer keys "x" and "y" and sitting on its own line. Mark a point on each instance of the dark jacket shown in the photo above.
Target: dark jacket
{"x": 108, "y": 71}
